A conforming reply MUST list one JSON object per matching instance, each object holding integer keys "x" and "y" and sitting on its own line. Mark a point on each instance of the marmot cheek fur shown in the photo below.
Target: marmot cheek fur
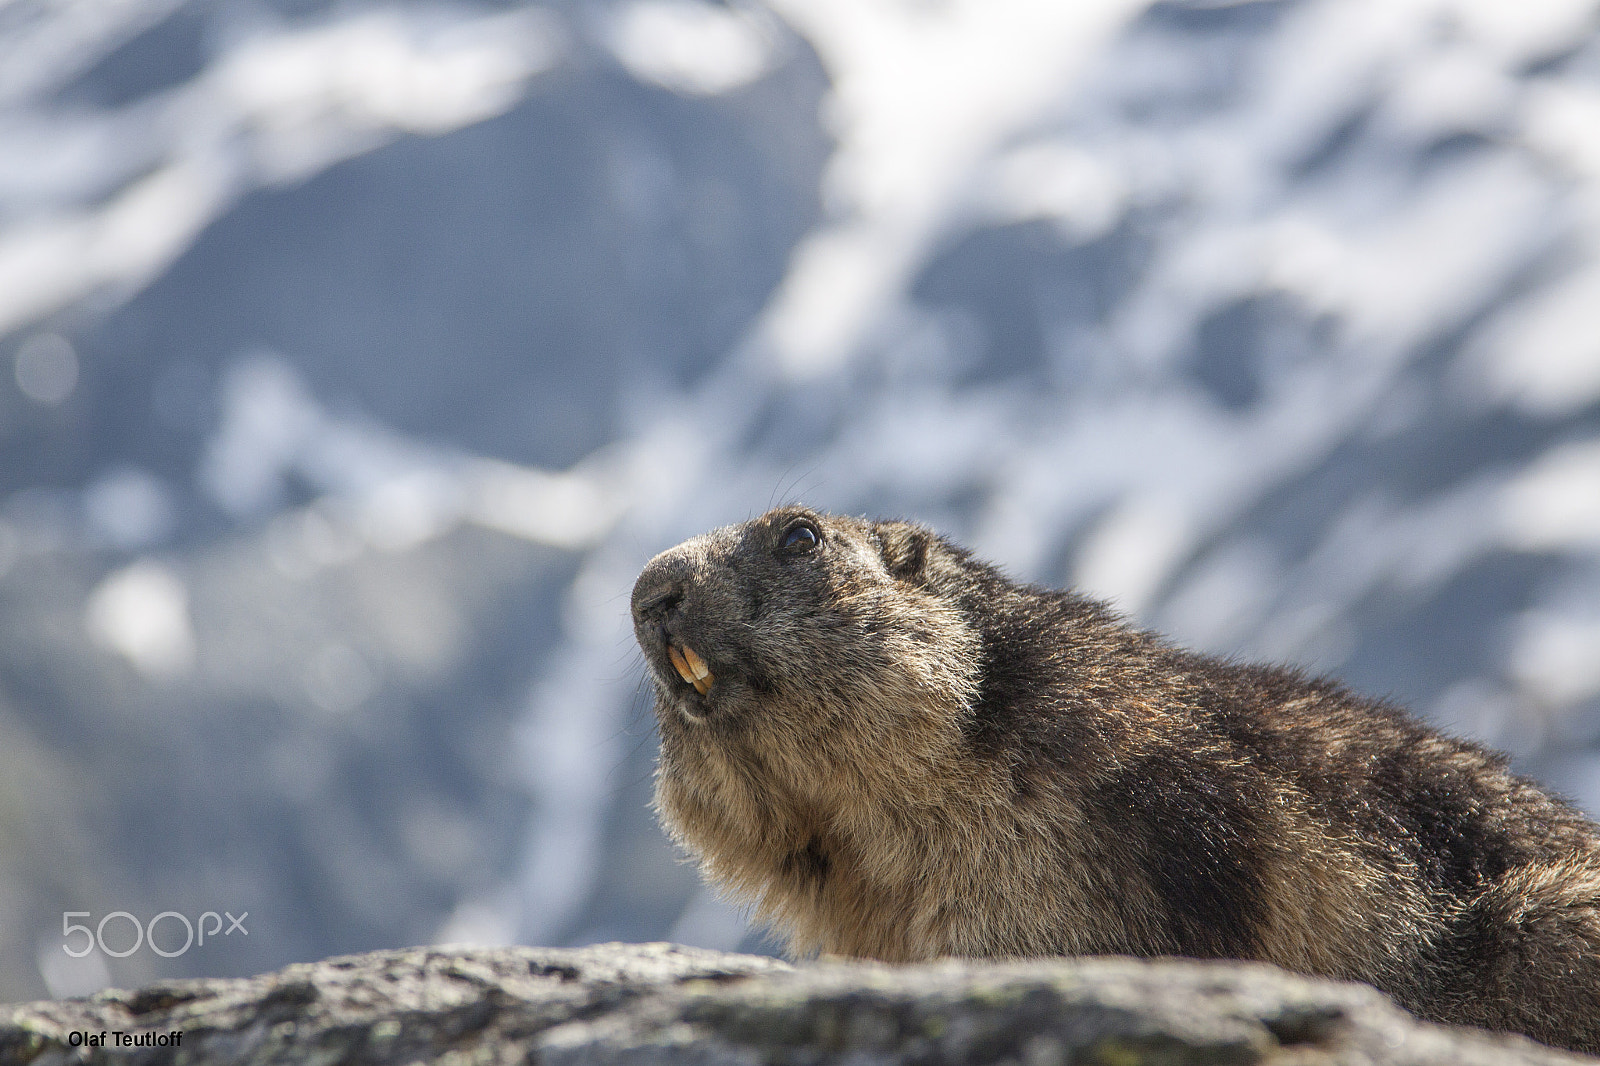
{"x": 891, "y": 750}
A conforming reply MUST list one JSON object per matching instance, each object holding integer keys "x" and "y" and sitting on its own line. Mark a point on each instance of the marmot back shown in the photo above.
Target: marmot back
{"x": 893, "y": 751}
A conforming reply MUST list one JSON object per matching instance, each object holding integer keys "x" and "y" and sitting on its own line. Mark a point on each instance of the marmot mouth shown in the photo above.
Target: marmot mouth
{"x": 691, "y": 667}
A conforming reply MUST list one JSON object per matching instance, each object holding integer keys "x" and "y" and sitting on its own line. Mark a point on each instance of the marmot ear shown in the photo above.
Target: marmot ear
{"x": 904, "y": 548}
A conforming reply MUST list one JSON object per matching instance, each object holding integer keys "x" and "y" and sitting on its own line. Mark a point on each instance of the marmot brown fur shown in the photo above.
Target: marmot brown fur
{"x": 894, "y": 751}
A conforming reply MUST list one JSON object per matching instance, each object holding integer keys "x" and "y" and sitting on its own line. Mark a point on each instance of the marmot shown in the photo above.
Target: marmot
{"x": 893, "y": 751}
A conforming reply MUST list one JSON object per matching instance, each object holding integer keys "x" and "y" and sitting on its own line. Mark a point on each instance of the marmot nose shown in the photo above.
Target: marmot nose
{"x": 658, "y": 606}
{"x": 659, "y": 592}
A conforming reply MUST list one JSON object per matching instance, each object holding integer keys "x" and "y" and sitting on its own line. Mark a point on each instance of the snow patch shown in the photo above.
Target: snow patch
{"x": 688, "y": 47}
{"x": 141, "y": 612}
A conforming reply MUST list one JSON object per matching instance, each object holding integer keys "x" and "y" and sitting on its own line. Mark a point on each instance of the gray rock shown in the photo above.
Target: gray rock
{"x": 661, "y": 1003}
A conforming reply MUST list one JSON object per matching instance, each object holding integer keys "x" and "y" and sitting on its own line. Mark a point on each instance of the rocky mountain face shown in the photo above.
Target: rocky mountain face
{"x": 354, "y": 357}
{"x": 660, "y": 1003}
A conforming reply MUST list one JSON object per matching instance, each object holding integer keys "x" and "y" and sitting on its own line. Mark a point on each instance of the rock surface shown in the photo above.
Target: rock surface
{"x": 660, "y": 1003}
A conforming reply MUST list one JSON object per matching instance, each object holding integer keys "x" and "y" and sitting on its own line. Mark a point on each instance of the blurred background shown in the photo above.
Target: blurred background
{"x": 355, "y": 355}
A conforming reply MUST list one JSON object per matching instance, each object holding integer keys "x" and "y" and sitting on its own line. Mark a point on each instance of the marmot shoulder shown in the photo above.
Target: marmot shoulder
{"x": 891, "y": 750}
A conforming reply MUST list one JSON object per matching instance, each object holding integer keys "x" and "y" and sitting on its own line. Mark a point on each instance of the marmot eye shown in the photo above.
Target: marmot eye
{"x": 802, "y": 538}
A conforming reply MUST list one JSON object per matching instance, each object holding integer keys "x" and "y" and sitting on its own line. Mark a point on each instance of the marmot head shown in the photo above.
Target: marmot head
{"x": 801, "y": 635}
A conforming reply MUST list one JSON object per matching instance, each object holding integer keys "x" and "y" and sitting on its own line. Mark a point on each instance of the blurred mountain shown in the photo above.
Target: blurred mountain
{"x": 359, "y": 354}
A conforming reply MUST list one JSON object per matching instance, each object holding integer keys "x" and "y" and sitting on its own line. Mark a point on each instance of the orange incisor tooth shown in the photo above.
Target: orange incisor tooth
{"x": 696, "y": 664}
{"x": 699, "y": 674}
{"x": 680, "y": 664}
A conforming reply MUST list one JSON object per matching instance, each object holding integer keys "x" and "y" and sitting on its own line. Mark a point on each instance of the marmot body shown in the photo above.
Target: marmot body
{"x": 894, "y": 751}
